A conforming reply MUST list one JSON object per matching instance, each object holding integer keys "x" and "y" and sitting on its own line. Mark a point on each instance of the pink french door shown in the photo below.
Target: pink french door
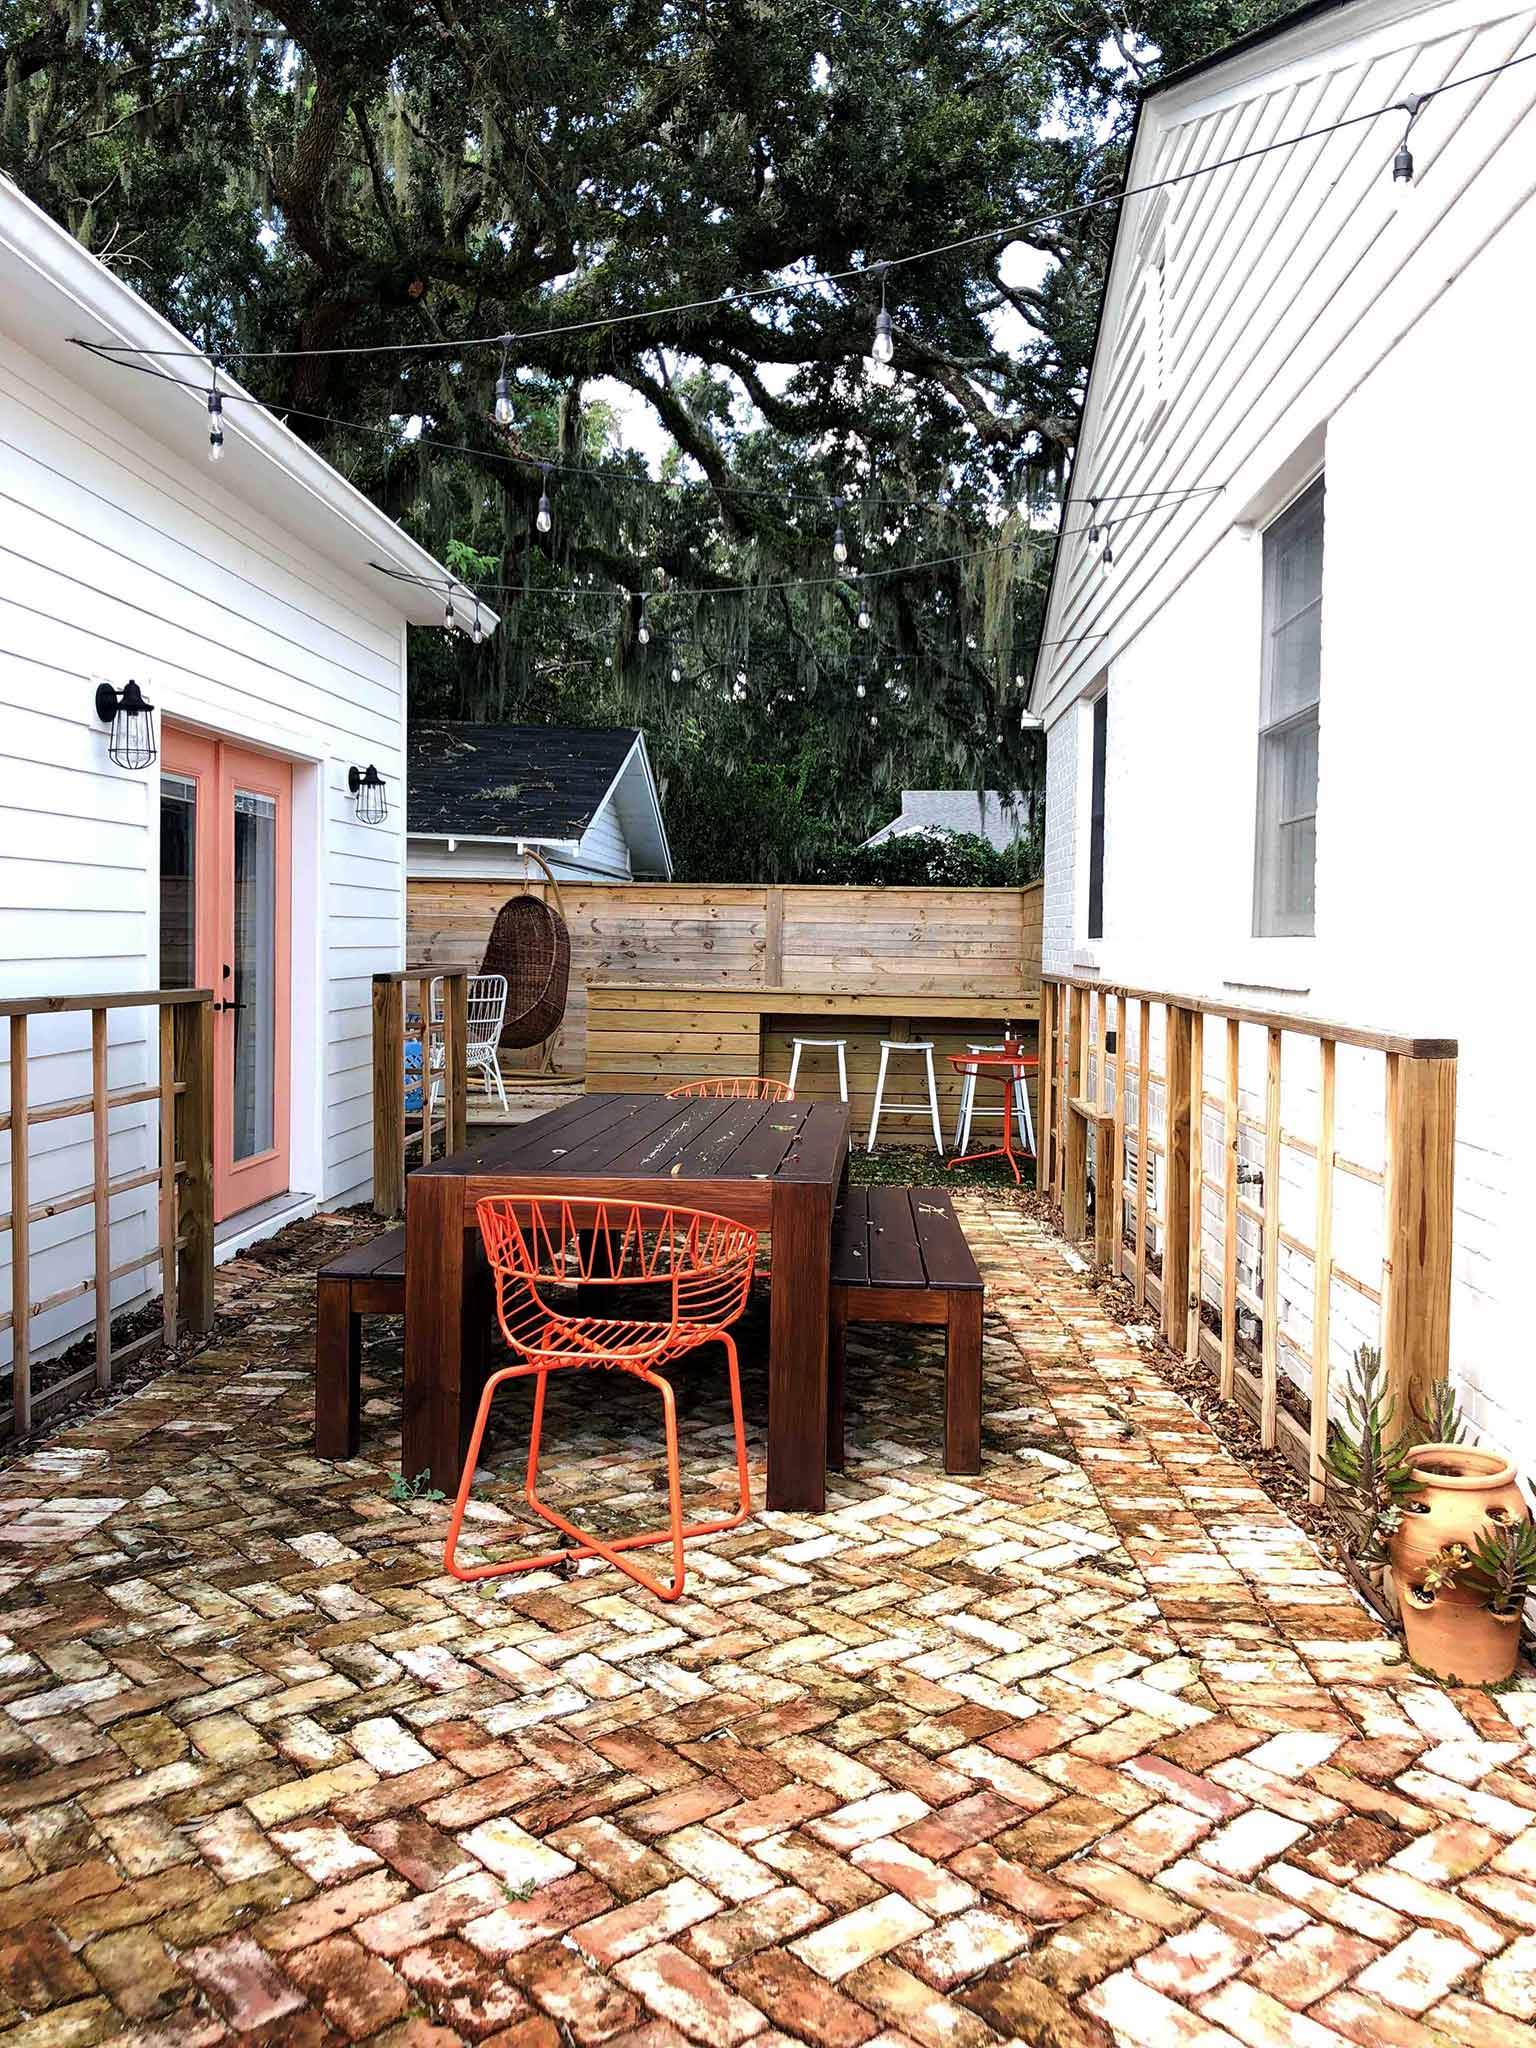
{"x": 226, "y": 879}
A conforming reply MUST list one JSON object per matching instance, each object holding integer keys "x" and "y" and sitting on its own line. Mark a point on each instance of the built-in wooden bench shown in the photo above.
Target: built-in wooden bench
{"x": 900, "y": 1256}
{"x": 369, "y": 1280}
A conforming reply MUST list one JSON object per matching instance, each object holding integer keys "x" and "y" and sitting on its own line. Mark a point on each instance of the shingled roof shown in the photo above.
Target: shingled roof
{"x": 510, "y": 781}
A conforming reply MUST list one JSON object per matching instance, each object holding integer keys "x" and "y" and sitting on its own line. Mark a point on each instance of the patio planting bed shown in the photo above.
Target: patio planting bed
{"x": 1092, "y": 1747}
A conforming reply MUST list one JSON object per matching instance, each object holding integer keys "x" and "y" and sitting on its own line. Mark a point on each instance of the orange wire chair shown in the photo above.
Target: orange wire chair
{"x": 541, "y": 1245}
{"x": 739, "y": 1087}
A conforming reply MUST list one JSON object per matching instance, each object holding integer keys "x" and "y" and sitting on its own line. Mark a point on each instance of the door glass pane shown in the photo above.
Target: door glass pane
{"x": 255, "y": 978}
{"x": 178, "y": 882}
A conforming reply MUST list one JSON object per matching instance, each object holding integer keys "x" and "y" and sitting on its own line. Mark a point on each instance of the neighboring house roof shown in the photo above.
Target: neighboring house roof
{"x": 955, "y": 810}
{"x": 56, "y": 294}
{"x": 543, "y": 784}
{"x": 1281, "y": 25}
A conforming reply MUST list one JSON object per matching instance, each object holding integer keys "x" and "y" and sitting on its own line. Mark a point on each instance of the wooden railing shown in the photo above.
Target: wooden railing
{"x": 182, "y": 1175}
{"x": 393, "y": 1132}
{"x": 1145, "y": 1135}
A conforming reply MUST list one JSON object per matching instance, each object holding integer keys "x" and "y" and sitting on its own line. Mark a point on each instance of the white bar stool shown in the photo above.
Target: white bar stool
{"x": 837, "y": 1045}
{"x": 930, "y": 1108}
{"x": 968, "y": 1110}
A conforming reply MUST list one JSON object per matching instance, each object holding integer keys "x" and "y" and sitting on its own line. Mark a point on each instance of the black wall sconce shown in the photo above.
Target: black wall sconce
{"x": 132, "y": 719}
{"x": 367, "y": 787}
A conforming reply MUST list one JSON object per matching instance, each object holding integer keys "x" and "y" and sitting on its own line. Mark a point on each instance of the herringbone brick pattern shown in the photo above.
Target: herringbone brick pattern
{"x": 1093, "y": 1748}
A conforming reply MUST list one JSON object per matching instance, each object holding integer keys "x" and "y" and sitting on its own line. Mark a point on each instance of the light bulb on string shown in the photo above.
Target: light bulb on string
{"x": 1107, "y": 558}
{"x": 475, "y": 633}
{"x": 450, "y": 623}
{"x": 883, "y": 347}
{"x": 215, "y": 424}
{"x": 544, "y": 519}
{"x": 642, "y": 630}
{"x": 502, "y": 411}
{"x": 1095, "y": 531}
{"x": 1412, "y": 104}
{"x": 839, "y": 543}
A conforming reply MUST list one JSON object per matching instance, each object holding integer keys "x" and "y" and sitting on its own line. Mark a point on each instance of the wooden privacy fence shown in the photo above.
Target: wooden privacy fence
{"x": 981, "y": 942}
{"x": 182, "y": 1175}
{"x": 393, "y": 1131}
{"x": 1183, "y": 1116}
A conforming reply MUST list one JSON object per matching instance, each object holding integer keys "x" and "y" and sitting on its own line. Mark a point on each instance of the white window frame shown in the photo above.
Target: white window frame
{"x": 1270, "y": 919}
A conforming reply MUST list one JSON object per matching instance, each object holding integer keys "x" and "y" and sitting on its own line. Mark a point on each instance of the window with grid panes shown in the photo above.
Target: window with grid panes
{"x": 1285, "y": 853}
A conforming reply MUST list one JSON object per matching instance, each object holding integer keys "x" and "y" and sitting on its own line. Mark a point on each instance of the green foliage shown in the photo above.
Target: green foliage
{"x": 935, "y": 858}
{"x": 373, "y": 171}
{"x": 1502, "y": 1566}
{"x": 1442, "y": 1418}
{"x": 1369, "y": 1460}
{"x": 419, "y": 1488}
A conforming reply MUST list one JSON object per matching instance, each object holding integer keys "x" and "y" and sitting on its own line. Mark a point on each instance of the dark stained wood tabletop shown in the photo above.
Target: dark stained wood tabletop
{"x": 777, "y": 1166}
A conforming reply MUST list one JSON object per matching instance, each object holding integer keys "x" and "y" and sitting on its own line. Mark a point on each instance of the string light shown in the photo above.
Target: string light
{"x": 544, "y": 519}
{"x": 450, "y": 623}
{"x": 1095, "y": 531}
{"x": 839, "y": 544}
{"x": 643, "y": 631}
{"x": 883, "y": 347}
{"x": 215, "y": 423}
{"x": 502, "y": 411}
{"x": 475, "y": 634}
{"x": 1107, "y": 558}
{"x": 1412, "y": 105}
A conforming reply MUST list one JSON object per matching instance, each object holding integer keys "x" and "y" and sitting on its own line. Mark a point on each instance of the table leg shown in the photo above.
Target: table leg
{"x": 797, "y": 1361}
{"x": 434, "y": 1427}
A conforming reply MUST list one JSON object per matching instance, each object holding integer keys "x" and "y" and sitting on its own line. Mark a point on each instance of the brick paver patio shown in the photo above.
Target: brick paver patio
{"x": 1093, "y": 1748}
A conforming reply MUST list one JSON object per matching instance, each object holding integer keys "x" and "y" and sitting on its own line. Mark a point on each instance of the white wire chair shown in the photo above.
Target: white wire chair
{"x": 487, "y": 1006}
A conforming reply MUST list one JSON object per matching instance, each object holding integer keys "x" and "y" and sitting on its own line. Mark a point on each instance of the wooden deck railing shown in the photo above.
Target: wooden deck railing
{"x": 182, "y": 1174}
{"x": 392, "y": 1132}
{"x": 1148, "y": 1135}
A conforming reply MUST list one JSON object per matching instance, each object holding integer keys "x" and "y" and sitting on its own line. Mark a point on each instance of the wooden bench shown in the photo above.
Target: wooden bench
{"x": 900, "y": 1256}
{"x": 369, "y": 1280}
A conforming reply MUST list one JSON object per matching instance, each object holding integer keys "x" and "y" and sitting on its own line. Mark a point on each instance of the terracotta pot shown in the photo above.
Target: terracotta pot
{"x": 1465, "y": 1492}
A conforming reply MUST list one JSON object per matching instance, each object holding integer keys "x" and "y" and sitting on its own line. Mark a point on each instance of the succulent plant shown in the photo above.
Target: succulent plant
{"x": 1502, "y": 1566}
{"x": 1368, "y": 1460}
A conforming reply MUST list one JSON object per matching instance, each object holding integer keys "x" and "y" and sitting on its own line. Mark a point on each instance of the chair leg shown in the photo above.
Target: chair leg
{"x": 963, "y": 1119}
{"x": 1026, "y": 1117}
{"x": 933, "y": 1103}
{"x": 837, "y": 1367}
{"x": 874, "y": 1120}
{"x": 794, "y": 1065}
{"x": 493, "y": 1074}
{"x": 583, "y": 1543}
{"x": 338, "y": 1371}
{"x": 962, "y": 1382}
{"x": 842, "y": 1071}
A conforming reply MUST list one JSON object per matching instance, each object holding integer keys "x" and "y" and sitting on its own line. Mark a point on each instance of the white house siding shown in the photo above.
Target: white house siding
{"x": 601, "y": 855}
{"x": 120, "y": 557}
{"x": 1306, "y": 327}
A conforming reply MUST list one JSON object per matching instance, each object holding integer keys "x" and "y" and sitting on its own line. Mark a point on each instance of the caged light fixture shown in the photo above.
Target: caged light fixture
{"x": 131, "y": 743}
{"x": 367, "y": 787}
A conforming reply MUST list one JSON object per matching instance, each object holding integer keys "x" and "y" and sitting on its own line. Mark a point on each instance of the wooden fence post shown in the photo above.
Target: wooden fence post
{"x": 1045, "y": 1148}
{"x": 455, "y": 1058}
{"x": 1074, "y": 1163}
{"x": 1420, "y": 1195}
{"x": 389, "y": 1096}
{"x": 1178, "y": 1065}
{"x": 21, "y": 1201}
{"x": 194, "y": 1070}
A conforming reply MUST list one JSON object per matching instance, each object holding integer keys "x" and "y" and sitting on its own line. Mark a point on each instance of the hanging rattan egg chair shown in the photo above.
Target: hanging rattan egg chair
{"x": 531, "y": 945}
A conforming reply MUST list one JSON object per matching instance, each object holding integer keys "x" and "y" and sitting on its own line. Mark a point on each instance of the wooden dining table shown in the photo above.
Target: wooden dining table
{"x": 776, "y": 1166}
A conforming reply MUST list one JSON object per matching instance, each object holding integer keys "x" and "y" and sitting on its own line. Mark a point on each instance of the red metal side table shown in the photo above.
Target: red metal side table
{"x": 1009, "y": 1068}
